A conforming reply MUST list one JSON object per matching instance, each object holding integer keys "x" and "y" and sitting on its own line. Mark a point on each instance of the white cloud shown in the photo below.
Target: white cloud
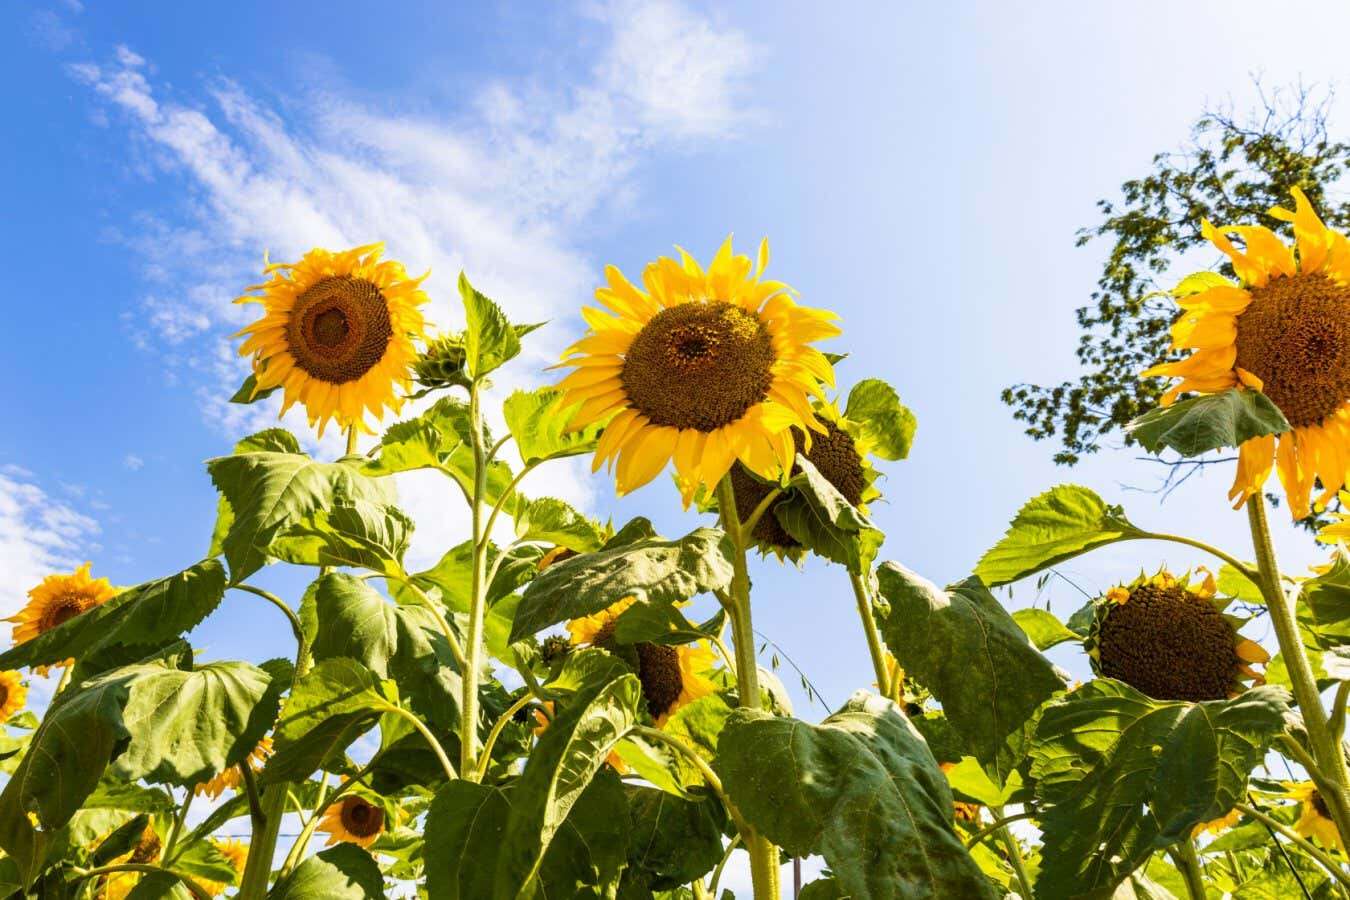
{"x": 133, "y": 462}
{"x": 39, "y": 535}
{"x": 499, "y": 190}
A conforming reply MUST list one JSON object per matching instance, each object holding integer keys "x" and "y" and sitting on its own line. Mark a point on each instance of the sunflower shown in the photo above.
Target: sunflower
{"x": 671, "y": 676}
{"x": 231, "y": 778}
{"x": 58, "y": 599}
{"x": 1166, "y": 637}
{"x": 840, "y": 453}
{"x": 234, "y": 850}
{"x": 702, "y": 367}
{"x": 1314, "y": 819}
{"x": 336, "y": 334}
{"x": 1283, "y": 329}
{"x": 1217, "y": 826}
{"x": 352, "y": 819}
{"x": 117, "y": 885}
{"x": 13, "y": 694}
{"x": 1338, "y": 532}
{"x": 964, "y": 812}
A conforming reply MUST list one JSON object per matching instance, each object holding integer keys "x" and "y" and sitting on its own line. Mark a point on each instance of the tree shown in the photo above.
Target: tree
{"x": 1231, "y": 171}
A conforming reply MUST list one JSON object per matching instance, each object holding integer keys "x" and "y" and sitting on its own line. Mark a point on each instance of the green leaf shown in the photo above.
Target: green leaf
{"x": 248, "y": 391}
{"x": 822, "y": 889}
{"x": 820, "y": 519}
{"x": 356, "y": 533}
{"x": 568, "y": 755}
{"x": 539, "y": 423}
{"x": 1064, "y": 522}
{"x": 402, "y": 643}
{"x": 1324, "y": 606}
{"x": 1209, "y": 422}
{"x": 658, "y": 623}
{"x": 329, "y": 707}
{"x": 883, "y": 422}
{"x": 269, "y": 492}
{"x": 122, "y": 840}
{"x": 1119, "y": 775}
{"x": 1232, "y": 583}
{"x": 442, "y": 439}
{"x": 148, "y": 614}
{"x": 965, "y": 648}
{"x": 489, "y": 339}
{"x": 449, "y": 582}
{"x": 187, "y": 727}
{"x": 159, "y": 886}
{"x": 860, "y": 789}
{"x": 650, "y": 569}
{"x": 672, "y": 841}
{"x": 202, "y": 860}
{"x": 344, "y": 872}
{"x": 1043, "y": 628}
{"x": 968, "y": 779}
{"x": 552, "y": 521}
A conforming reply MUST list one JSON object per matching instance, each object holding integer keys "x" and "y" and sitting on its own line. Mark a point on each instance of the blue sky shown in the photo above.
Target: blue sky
{"x": 919, "y": 168}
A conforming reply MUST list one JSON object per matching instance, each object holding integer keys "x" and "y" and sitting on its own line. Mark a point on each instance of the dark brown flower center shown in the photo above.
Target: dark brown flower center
{"x": 1295, "y": 337}
{"x": 699, "y": 365}
{"x": 63, "y": 609}
{"x": 658, "y": 670}
{"x": 339, "y": 329}
{"x": 1170, "y": 644}
{"x": 1319, "y": 805}
{"x": 361, "y": 819}
{"x": 833, "y": 453}
{"x": 147, "y": 849}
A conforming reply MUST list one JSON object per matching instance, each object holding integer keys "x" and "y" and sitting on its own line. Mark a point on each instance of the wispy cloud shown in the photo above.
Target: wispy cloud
{"x": 39, "y": 534}
{"x": 499, "y": 189}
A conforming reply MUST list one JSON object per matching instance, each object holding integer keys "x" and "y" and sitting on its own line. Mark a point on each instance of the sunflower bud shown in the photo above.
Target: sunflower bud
{"x": 441, "y": 364}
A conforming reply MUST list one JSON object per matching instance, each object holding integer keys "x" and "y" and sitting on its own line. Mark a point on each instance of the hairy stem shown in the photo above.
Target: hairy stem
{"x": 496, "y": 732}
{"x": 1014, "y": 850}
{"x": 864, "y": 597}
{"x": 431, "y": 740}
{"x": 473, "y": 651}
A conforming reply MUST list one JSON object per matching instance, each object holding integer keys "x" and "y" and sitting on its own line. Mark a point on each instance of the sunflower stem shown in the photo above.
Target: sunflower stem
{"x": 1183, "y": 854}
{"x": 1326, "y": 749}
{"x": 1014, "y": 851}
{"x": 1337, "y": 723}
{"x": 764, "y": 869}
{"x": 351, "y": 440}
{"x": 497, "y": 729}
{"x": 176, "y": 829}
{"x": 468, "y": 708}
{"x": 296, "y": 627}
{"x": 1297, "y": 839}
{"x": 430, "y": 738}
{"x": 297, "y": 850}
{"x": 863, "y": 595}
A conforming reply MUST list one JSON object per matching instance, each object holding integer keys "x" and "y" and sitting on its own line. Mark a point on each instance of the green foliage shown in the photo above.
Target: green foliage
{"x": 1043, "y": 628}
{"x": 970, "y": 653}
{"x": 441, "y": 439}
{"x": 671, "y": 841}
{"x": 489, "y": 339}
{"x": 449, "y": 583}
{"x": 1064, "y": 522}
{"x": 1119, "y": 776}
{"x": 552, "y": 521}
{"x": 344, "y": 872}
{"x": 860, "y": 789}
{"x": 819, "y": 518}
{"x": 884, "y": 423}
{"x": 540, "y": 425}
{"x": 1231, "y": 172}
{"x": 356, "y": 533}
{"x": 1198, "y": 425}
{"x": 146, "y": 617}
{"x": 649, "y": 568}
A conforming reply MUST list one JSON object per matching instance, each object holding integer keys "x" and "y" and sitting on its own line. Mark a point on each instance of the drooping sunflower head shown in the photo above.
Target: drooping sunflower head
{"x": 1284, "y": 329}
{"x": 337, "y": 333}
{"x": 13, "y": 695}
{"x": 703, "y": 367}
{"x": 58, "y": 599}
{"x": 672, "y": 676}
{"x": 234, "y": 850}
{"x": 353, "y": 819}
{"x": 1166, "y": 637}
{"x": 1314, "y": 818}
{"x": 840, "y": 458}
{"x": 232, "y": 778}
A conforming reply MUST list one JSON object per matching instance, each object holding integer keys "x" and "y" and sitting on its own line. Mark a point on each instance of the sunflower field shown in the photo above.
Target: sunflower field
{"x": 542, "y": 715}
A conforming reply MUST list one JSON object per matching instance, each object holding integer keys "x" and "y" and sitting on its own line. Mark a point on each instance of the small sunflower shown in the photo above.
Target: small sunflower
{"x": 964, "y": 812}
{"x": 118, "y": 885}
{"x": 839, "y": 453}
{"x": 671, "y": 676}
{"x": 337, "y": 333}
{"x": 234, "y": 850}
{"x": 231, "y": 778}
{"x": 1166, "y": 637}
{"x": 58, "y": 599}
{"x": 13, "y": 694}
{"x": 1314, "y": 819}
{"x": 353, "y": 819}
{"x": 702, "y": 367}
{"x": 1284, "y": 330}
{"x": 1338, "y": 532}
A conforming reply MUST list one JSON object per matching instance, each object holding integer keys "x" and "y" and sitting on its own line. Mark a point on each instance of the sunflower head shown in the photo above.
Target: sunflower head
{"x": 353, "y": 819}
{"x": 234, "y": 850}
{"x": 1167, "y": 637}
{"x": 671, "y": 676}
{"x": 1314, "y": 818}
{"x": 56, "y": 600}
{"x": 336, "y": 334}
{"x": 839, "y": 457}
{"x": 442, "y": 363}
{"x": 13, "y": 695}
{"x": 232, "y": 778}
{"x": 1283, "y": 328}
{"x": 702, "y": 367}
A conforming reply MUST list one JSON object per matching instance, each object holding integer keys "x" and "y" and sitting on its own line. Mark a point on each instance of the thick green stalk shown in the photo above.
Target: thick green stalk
{"x": 1326, "y": 749}
{"x": 764, "y": 867}
{"x": 1275, "y": 825}
{"x": 1188, "y": 864}
{"x": 1013, "y": 849}
{"x": 473, "y": 650}
{"x": 869, "y": 622}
